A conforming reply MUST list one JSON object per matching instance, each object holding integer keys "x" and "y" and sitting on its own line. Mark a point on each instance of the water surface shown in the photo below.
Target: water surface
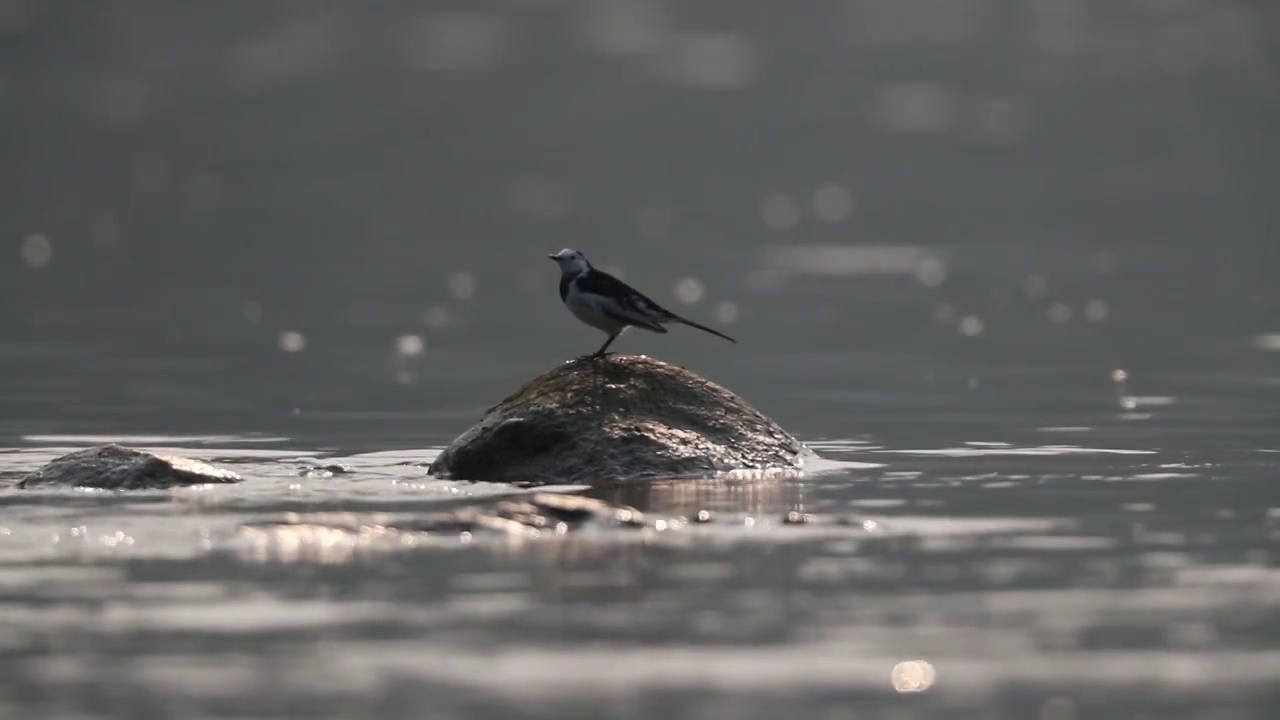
{"x": 1009, "y": 267}
{"x": 1034, "y": 543}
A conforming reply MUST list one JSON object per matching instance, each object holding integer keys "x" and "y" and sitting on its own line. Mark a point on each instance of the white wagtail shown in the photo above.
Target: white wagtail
{"x": 607, "y": 304}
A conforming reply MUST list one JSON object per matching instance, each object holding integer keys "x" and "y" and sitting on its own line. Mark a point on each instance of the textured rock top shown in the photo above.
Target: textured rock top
{"x": 617, "y": 417}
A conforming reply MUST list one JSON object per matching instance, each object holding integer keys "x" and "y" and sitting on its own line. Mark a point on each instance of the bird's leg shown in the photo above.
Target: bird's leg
{"x": 608, "y": 341}
{"x": 600, "y": 354}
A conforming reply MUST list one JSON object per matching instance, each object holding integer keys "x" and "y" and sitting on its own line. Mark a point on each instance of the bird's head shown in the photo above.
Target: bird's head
{"x": 571, "y": 261}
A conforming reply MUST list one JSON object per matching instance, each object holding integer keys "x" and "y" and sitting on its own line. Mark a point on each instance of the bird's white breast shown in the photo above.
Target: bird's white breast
{"x": 590, "y": 309}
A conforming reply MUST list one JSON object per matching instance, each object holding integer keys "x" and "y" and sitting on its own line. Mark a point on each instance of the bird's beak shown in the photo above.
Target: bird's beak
{"x": 553, "y": 257}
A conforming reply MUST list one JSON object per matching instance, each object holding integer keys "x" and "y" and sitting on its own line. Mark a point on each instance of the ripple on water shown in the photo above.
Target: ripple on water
{"x": 161, "y": 440}
{"x": 993, "y": 577}
{"x": 1041, "y": 450}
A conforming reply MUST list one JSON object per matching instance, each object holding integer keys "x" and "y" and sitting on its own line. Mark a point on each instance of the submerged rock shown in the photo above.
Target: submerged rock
{"x": 329, "y": 538}
{"x": 618, "y": 418}
{"x": 113, "y": 467}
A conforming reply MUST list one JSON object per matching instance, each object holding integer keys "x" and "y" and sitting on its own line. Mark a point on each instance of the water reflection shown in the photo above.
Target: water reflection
{"x": 686, "y": 498}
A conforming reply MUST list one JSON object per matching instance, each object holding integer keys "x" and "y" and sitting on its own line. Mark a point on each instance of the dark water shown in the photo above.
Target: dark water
{"x": 1009, "y": 267}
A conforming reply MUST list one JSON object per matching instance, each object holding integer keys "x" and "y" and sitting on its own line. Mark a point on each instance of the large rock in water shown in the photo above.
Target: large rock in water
{"x": 617, "y": 418}
{"x": 113, "y": 467}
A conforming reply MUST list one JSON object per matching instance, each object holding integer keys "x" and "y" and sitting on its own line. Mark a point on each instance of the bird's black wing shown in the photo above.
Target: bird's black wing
{"x": 627, "y": 304}
{"x": 599, "y": 282}
{"x": 634, "y": 306}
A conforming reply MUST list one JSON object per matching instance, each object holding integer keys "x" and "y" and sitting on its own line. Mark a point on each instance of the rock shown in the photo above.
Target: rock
{"x": 794, "y": 517}
{"x": 573, "y": 510}
{"x": 328, "y": 537}
{"x": 618, "y": 418}
{"x": 314, "y": 468}
{"x": 113, "y": 467}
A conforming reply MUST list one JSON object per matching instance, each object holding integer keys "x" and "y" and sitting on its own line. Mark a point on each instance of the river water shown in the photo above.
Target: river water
{"x": 1034, "y": 538}
{"x": 1008, "y": 267}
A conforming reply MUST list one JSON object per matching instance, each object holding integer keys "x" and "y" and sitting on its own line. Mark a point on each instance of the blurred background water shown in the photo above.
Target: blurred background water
{"x": 1013, "y": 262}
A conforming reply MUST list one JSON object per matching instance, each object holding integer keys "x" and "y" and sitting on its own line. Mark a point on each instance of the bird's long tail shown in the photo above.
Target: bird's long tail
{"x": 703, "y": 328}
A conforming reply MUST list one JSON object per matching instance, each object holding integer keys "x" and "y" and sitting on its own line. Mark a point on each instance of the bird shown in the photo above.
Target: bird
{"x": 609, "y": 305}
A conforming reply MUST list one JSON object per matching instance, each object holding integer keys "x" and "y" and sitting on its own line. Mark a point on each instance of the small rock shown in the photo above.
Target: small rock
{"x": 313, "y": 468}
{"x": 577, "y": 509}
{"x": 324, "y": 471}
{"x": 521, "y": 512}
{"x": 466, "y": 520}
{"x": 113, "y": 467}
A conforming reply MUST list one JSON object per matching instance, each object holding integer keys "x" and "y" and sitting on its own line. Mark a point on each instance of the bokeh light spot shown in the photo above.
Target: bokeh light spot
{"x": 931, "y": 272}
{"x": 726, "y": 312}
{"x": 912, "y": 676}
{"x": 462, "y": 285}
{"x": 832, "y": 203}
{"x": 36, "y": 251}
{"x": 1035, "y": 286}
{"x": 1269, "y": 342}
{"x": 779, "y": 212}
{"x": 292, "y": 341}
{"x": 437, "y": 317}
{"x": 409, "y": 345}
{"x": 690, "y": 290}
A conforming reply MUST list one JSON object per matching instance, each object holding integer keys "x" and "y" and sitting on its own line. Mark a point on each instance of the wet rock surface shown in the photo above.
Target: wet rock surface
{"x": 526, "y": 516}
{"x": 537, "y": 515}
{"x": 618, "y": 418}
{"x": 313, "y": 468}
{"x": 114, "y": 467}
